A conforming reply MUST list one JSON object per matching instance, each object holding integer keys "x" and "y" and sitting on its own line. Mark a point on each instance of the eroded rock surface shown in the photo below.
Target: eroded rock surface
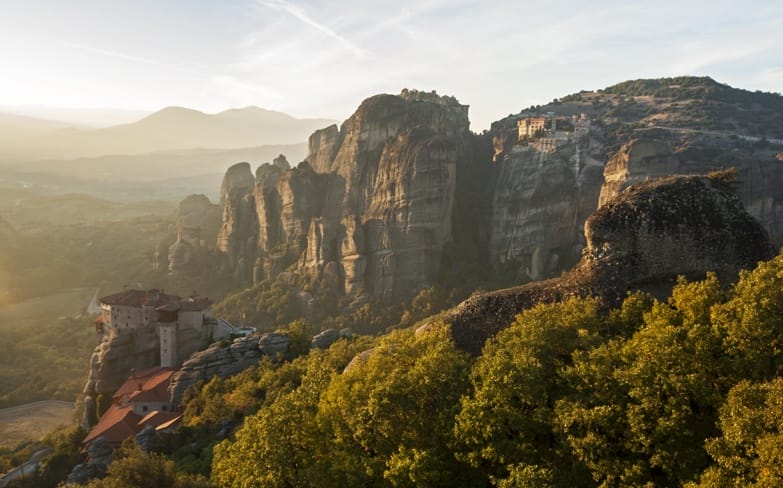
{"x": 216, "y": 360}
{"x": 198, "y": 222}
{"x": 371, "y": 205}
{"x": 238, "y": 232}
{"x": 759, "y": 174}
{"x": 540, "y": 200}
{"x": 643, "y": 239}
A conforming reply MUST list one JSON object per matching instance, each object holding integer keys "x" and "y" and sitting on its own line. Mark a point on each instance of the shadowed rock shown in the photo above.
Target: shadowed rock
{"x": 643, "y": 239}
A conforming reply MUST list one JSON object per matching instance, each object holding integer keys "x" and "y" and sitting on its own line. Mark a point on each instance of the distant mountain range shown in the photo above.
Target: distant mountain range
{"x": 25, "y": 139}
{"x": 130, "y": 177}
{"x": 82, "y": 117}
{"x": 15, "y": 127}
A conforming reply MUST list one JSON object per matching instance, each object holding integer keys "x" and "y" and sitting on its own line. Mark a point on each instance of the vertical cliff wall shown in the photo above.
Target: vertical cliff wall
{"x": 540, "y": 200}
{"x": 373, "y": 200}
{"x": 759, "y": 173}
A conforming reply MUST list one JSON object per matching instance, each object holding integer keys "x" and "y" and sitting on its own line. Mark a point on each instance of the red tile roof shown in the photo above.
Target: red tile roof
{"x": 119, "y": 422}
{"x": 170, "y": 423}
{"x": 115, "y": 425}
{"x": 157, "y": 419}
{"x": 137, "y": 298}
{"x": 153, "y": 382}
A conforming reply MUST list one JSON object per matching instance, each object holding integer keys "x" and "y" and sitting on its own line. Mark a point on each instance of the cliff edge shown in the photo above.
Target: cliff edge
{"x": 643, "y": 239}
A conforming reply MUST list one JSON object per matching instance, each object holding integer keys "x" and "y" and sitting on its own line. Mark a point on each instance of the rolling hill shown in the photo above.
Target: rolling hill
{"x": 172, "y": 128}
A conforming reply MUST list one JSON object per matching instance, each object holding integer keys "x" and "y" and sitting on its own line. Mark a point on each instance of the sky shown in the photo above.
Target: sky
{"x": 314, "y": 58}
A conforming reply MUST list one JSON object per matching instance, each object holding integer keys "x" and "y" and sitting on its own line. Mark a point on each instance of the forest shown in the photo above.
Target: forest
{"x": 679, "y": 392}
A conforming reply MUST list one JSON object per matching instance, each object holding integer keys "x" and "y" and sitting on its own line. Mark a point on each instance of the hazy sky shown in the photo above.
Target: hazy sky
{"x": 318, "y": 58}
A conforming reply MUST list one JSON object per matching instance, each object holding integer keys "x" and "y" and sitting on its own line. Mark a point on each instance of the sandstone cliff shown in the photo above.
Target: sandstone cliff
{"x": 540, "y": 200}
{"x": 238, "y": 232}
{"x": 643, "y": 239}
{"x": 660, "y": 153}
{"x": 198, "y": 222}
{"x": 111, "y": 362}
{"x": 224, "y": 360}
{"x": 371, "y": 204}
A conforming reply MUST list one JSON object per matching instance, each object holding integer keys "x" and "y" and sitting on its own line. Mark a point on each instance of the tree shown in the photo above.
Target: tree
{"x": 390, "y": 415}
{"x": 134, "y": 468}
{"x": 504, "y": 427}
{"x": 748, "y": 452}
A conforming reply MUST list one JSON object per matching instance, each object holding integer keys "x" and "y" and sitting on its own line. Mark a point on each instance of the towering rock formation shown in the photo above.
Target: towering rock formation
{"x": 642, "y": 239}
{"x": 198, "y": 222}
{"x": 541, "y": 197}
{"x": 111, "y": 362}
{"x": 375, "y": 198}
{"x": 371, "y": 203}
{"x": 759, "y": 174}
{"x": 238, "y": 232}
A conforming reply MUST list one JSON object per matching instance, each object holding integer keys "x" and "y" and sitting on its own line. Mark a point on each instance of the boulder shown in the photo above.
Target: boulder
{"x": 642, "y": 239}
{"x": 325, "y": 339}
{"x": 273, "y": 344}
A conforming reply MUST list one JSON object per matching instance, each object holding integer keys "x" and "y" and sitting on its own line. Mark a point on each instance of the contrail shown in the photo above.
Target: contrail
{"x": 129, "y": 57}
{"x": 300, "y": 14}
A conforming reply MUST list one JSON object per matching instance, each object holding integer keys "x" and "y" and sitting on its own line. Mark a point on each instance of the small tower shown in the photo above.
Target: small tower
{"x": 167, "y": 331}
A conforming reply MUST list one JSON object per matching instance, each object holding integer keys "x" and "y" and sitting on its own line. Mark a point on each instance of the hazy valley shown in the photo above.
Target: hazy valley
{"x": 430, "y": 306}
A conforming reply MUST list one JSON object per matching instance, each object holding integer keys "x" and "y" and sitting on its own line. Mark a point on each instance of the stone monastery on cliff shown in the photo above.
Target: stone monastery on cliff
{"x": 182, "y": 325}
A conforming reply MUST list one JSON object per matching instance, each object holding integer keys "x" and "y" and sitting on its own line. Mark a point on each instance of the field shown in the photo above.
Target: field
{"x": 50, "y": 339}
{"x": 46, "y": 309}
{"x": 31, "y": 421}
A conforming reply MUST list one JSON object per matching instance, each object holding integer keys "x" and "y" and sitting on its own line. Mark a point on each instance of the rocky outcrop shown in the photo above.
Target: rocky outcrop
{"x": 322, "y": 147}
{"x": 111, "y": 361}
{"x": 98, "y": 459}
{"x": 237, "y": 237}
{"x": 637, "y": 160}
{"x": 371, "y": 205}
{"x": 326, "y": 338}
{"x": 149, "y": 439}
{"x": 376, "y": 198}
{"x": 224, "y": 360}
{"x": 198, "y": 223}
{"x": 643, "y": 239}
{"x": 216, "y": 360}
{"x": 274, "y": 344}
{"x": 121, "y": 352}
{"x": 540, "y": 200}
{"x": 759, "y": 176}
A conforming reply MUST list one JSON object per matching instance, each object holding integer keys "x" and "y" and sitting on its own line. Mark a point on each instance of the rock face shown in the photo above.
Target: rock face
{"x": 759, "y": 174}
{"x": 636, "y": 161}
{"x": 540, "y": 200}
{"x": 238, "y": 231}
{"x": 642, "y": 239}
{"x": 99, "y": 457}
{"x": 227, "y": 360}
{"x": 216, "y": 360}
{"x": 370, "y": 206}
{"x": 326, "y": 338}
{"x": 198, "y": 222}
{"x": 114, "y": 357}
